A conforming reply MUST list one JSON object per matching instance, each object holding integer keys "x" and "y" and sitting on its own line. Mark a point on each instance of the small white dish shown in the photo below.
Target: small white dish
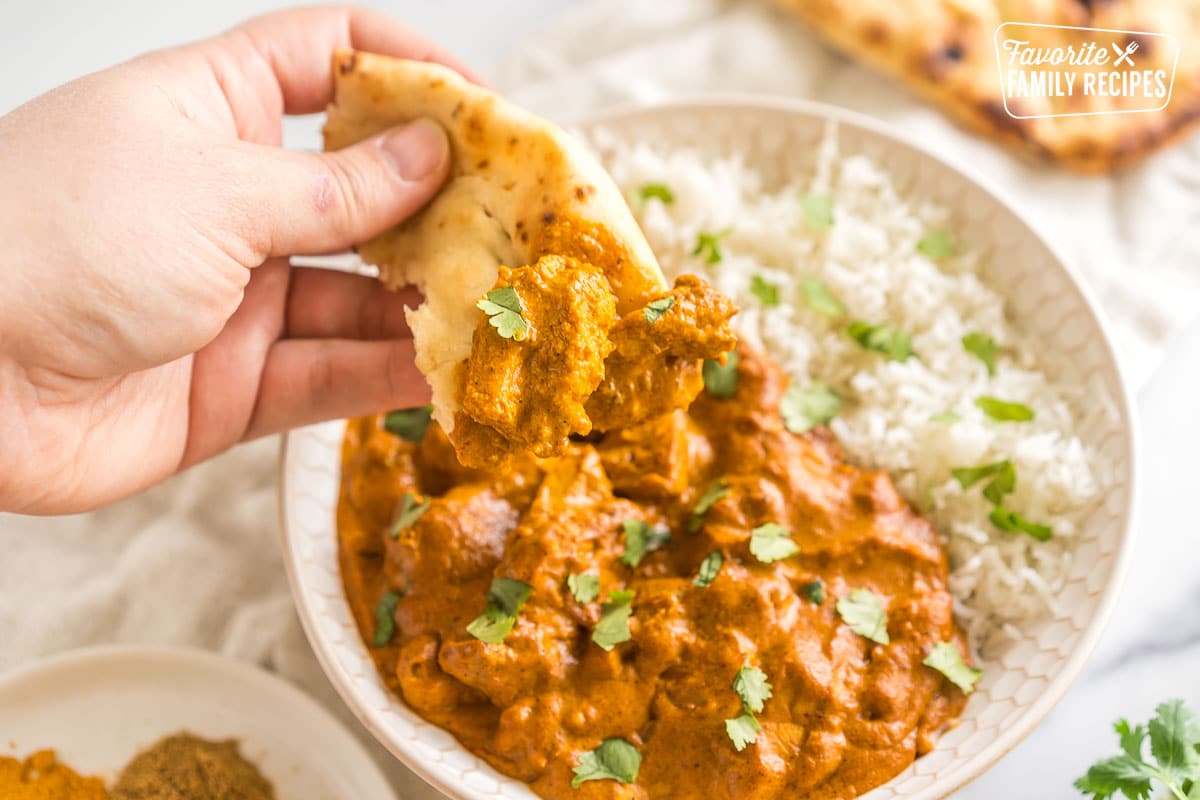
{"x": 99, "y": 707}
{"x": 1042, "y": 296}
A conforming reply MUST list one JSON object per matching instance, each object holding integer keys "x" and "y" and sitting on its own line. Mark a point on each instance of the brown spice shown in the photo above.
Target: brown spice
{"x": 41, "y": 777}
{"x": 185, "y": 767}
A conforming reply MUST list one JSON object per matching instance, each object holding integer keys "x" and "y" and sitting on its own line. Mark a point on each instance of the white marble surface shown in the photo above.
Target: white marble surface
{"x": 1151, "y": 651}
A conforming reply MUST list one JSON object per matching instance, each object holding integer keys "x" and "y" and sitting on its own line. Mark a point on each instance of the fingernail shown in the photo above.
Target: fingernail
{"x": 417, "y": 150}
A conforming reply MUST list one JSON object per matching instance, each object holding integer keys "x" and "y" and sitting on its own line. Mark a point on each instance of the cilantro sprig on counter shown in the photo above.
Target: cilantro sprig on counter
{"x": 752, "y": 688}
{"x": 1174, "y": 747}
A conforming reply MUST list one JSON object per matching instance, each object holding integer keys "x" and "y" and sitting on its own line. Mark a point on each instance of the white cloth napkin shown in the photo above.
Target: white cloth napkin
{"x": 196, "y": 561}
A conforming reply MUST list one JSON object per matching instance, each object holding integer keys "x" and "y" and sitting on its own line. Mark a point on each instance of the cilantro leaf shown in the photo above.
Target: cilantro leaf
{"x": 945, "y": 658}
{"x": 814, "y": 591}
{"x": 613, "y": 627}
{"x": 751, "y": 685}
{"x": 805, "y": 407}
{"x": 710, "y": 567}
{"x": 715, "y": 492}
{"x": 410, "y": 512}
{"x": 818, "y": 210}
{"x": 982, "y": 347}
{"x": 658, "y": 191}
{"x": 584, "y": 587}
{"x": 721, "y": 380}
{"x": 771, "y": 542}
{"x": 765, "y": 291}
{"x": 1002, "y": 473}
{"x": 505, "y": 599}
{"x": 742, "y": 731}
{"x": 1125, "y": 774}
{"x": 409, "y": 423}
{"x": 615, "y": 759}
{"x": 863, "y": 612}
{"x": 1174, "y": 746}
{"x": 503, "y": 307}
{"x": 820, "y": 298}
{"x": 656, "y": 308}
{"x": 1004, "y": 411}
{"x": 385, "y": 618}
{"x": 936, "y": 245}
{"x": 641, "y": 538}
{"x": 882, "y": 338}
{"x": 708, "y": 246}
{"x": 945, "y": 416}
{"x": 1012, "y": 522}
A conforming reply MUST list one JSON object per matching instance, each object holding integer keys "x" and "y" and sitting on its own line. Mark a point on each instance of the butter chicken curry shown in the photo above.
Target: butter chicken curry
{"x": 690, "y": 601}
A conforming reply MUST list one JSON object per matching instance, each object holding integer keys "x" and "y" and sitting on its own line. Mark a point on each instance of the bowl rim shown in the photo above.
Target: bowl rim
{"x": 1036, "y": 712}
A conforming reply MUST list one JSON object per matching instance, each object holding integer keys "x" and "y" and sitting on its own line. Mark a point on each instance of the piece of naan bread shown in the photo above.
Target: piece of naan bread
{"x": 519, "y": 188}
{"x": 944, "y": 50}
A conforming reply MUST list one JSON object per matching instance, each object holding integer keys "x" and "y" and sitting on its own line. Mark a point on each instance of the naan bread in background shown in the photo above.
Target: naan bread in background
{"x": 515, "y": 181}
{"x": 945, "y": 51}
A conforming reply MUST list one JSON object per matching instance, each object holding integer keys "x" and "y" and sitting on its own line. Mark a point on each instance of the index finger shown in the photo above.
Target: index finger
{"x": 299, "y": 44}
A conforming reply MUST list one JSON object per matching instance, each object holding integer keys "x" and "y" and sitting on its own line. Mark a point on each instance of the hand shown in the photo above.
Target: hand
{"x": 148, "y": 315}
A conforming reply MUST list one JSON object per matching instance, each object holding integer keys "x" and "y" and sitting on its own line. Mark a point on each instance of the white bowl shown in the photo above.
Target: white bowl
{"x": 1044, "y": 299}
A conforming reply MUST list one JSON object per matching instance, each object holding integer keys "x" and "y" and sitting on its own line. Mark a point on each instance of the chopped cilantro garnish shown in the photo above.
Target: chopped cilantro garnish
{"x": 1003, "y": 479}
{"x": 936, "y": 245}
{"x": 585, "y": 586}
{"x": 710, "y": 567}
{"x": 708, "y": 246}
{"x": 742, "y": 730}
{"x": 658, "y": 191}
{"x": 409, "y": 423}
{"x": 1174, "y": 746}
{"x": 504, "y": 600}
{"x": 864, "y": 613}
{"x": 1004, "y": 411}
{"x": 766, "y": 292}
{"x": 945, "y": 417}
{"x": 613, "y": 627}
{"x": 410, "y": 512}
{"x": 656, "y": 308}
{"x": 820, "y": 298}
{"x": 982, "y": 347}
{"x": 818, "y": 210}
{"x": 615, "y": 759}
{"x": 814, "y": 591}
{"x": 721, "y": 380}
{"x": 503, "y": 307}
{"x": 641, "y": 538}
{"x": 712, "y": 495}
{"x": 385, "y": 618}
{"x": 772, "y": 542}
{"x": 1012, "y": 522}
{"x": 805, "y": 407}
{"x": 882, "y": 338}
{"x": 946, "y": 659}
{"x": 752, "y": 689}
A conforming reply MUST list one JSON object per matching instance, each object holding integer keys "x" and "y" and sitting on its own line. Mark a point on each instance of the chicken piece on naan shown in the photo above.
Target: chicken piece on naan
{"x": 527, "y": 258}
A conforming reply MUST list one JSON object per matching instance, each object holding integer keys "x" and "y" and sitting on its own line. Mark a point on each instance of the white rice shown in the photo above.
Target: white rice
{"x": 868, "y": 258}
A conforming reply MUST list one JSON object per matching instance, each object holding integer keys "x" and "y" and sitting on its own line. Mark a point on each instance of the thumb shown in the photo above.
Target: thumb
{"x": 323, "y": 202}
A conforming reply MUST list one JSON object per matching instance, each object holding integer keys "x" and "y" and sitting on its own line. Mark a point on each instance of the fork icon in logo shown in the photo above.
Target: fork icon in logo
{"x": 1124, "y": 55}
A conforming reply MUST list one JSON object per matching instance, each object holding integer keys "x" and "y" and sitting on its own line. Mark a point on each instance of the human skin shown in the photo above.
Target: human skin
{"x": 149, "y": 318}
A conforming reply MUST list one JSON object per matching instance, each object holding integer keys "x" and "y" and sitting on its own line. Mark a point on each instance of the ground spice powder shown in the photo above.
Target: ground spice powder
{"x": 41, "y": 777}
{"x": 185, "y": 767}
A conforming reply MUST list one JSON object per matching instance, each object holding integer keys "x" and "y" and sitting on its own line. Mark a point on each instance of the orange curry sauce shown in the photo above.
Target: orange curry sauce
{"x": 846, "y": 714}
